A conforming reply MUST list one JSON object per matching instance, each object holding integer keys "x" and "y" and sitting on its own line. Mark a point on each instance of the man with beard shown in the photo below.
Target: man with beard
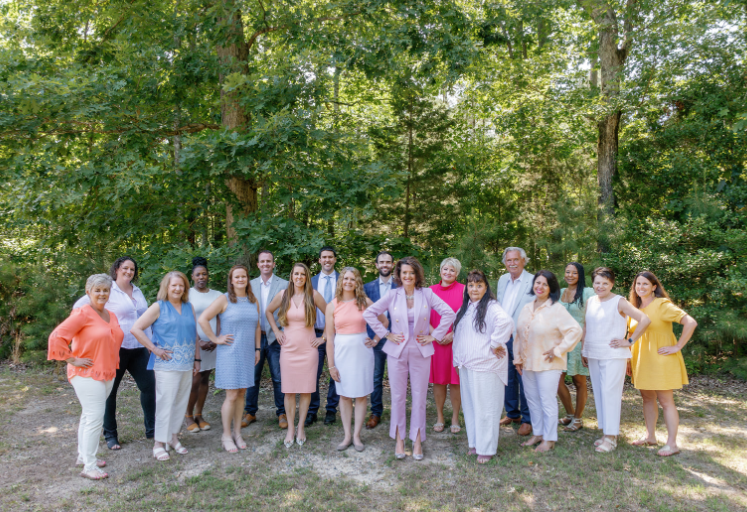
{"x": 375, "y": 290}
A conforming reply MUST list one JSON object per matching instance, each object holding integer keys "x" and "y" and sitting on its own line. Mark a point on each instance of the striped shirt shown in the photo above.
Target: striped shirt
{"x": 127, "y": 309}
{"x": 473, "y": 350}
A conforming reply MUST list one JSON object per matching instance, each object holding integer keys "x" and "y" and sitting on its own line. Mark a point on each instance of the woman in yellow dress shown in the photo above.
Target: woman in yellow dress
{"x": 657, "y": 364}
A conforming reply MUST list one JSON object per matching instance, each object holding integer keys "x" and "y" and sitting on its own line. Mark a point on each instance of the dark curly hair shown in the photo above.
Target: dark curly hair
{"x": 199, "y": 261}
{"x": 118, "y": 263}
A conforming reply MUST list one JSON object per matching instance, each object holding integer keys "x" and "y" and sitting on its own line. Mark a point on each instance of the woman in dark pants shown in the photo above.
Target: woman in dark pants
{"x": 128, "y": 303}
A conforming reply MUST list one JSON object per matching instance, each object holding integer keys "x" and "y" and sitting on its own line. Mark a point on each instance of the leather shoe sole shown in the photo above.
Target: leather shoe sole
{"x": 330, "y": 419}
{"x": 525, "y": 429}
{"x": 248, "y": 420}
{"x": 372, "y": 422}
{"x": 283, "y": 421}
{"x": 507, "y": 421}
{"x": 309, "y": 421}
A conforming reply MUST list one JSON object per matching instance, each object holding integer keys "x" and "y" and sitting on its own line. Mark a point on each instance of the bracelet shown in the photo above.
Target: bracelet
{"x": 331, "y": 368}
{"x": 198, "y": 360}
{"x": 257, "y": 349}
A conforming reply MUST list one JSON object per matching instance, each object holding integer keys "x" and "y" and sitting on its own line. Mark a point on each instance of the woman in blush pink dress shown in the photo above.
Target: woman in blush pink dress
{"x": 443, "y": 372}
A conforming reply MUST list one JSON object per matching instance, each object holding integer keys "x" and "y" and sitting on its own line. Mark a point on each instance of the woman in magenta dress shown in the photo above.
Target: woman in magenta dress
{"x": 443, "y": 372}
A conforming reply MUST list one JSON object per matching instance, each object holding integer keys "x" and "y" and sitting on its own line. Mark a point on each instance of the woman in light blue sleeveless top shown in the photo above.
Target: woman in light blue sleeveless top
{"x": 177, "y": 355}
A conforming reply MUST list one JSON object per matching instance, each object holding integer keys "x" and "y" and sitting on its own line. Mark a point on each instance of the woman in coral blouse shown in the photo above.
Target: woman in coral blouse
{"x": 89, "y": 342}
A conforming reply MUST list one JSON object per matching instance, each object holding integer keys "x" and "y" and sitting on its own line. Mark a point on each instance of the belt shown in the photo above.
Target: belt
{"x": 263, "y": 332}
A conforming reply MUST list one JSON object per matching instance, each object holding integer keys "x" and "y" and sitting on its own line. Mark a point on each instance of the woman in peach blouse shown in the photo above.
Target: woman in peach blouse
{"x": 545, "y": 333}
{"x": 89, "y": 341}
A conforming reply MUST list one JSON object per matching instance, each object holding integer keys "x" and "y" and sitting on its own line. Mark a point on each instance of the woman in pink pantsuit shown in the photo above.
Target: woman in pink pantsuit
{"x": 411, "y": 347}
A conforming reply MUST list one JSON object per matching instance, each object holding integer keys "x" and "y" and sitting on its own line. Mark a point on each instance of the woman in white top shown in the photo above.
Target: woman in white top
{"x": 606, "y": 352}
{"x": 200, "y": 296}
{"x": 128, "y": 303}
{"x": 481, "y": 330}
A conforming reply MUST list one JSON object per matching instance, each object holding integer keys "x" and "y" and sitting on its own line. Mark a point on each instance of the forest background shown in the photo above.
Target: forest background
{"x": 605, "y": 132}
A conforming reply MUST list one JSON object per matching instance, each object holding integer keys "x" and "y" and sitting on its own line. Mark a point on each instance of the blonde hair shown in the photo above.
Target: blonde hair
{"x": 453, "y": 262}
{"x": 308, "y": 299}
{"x": 360, "y": 295}
{"x": 98, "y": 280}
{"x": 163, "y": 290}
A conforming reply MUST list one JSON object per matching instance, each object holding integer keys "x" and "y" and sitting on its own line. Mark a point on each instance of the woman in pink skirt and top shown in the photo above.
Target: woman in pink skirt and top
{"x": 410, "y": 349}
{"x": 443, "y": 372}
{"x": 350, "y": 352}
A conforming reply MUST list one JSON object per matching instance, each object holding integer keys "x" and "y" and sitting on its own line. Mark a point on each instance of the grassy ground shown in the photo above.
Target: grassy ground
{"x": 38, "y": 448}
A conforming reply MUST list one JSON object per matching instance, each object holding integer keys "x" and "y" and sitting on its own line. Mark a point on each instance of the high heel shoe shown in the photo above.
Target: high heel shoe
{"x": 288, "y": 444}
{"x": 400, "y": 456}
{"x": 300, "y": 441}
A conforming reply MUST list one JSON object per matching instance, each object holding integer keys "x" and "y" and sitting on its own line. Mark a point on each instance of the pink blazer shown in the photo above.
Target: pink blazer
{"x": 395, "y": 303}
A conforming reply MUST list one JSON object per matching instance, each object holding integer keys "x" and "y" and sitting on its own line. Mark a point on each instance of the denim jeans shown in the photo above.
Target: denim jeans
{"x": 135, "y": 361}
{"x": 515, "y": 390}
{"x": 271, "y": 353}
{"x": 332, "y": 397}
{"x": 377, "y": 397}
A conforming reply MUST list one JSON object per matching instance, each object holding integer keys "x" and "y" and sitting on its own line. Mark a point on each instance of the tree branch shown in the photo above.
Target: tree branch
{"x": 267, "y": 30}
{"x": 120, "y": 20}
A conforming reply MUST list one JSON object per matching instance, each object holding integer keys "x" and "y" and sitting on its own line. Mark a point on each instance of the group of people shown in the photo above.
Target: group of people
{"x": 512, "y": 349}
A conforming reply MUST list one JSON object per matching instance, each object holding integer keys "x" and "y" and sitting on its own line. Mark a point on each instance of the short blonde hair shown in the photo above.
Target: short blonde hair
{"x": 453, "y": 262}
{"x": 163, "y": 290}
{"x": 98, "y": 280}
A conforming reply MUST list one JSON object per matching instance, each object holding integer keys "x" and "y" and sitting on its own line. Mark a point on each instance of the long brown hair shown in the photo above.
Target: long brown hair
{"x": 659, "y": 291}
{"x": 232, "y": 292}
{"x": 416, "y": 266}
{"x": 308, "y": 299}
{"x": 360, "y": 295}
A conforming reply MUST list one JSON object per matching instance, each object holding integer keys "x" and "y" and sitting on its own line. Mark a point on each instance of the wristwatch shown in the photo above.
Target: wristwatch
{"x": 630, "y": 341}
{"x": 257, "y": 349}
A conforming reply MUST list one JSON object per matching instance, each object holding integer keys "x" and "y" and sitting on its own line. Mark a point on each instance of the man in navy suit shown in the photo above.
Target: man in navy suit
{"x": 325, "y": 283}
{"x": 375, "y": 290}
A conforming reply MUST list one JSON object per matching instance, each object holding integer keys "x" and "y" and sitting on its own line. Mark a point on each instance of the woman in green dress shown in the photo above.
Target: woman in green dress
{"x": 573, "y": 298}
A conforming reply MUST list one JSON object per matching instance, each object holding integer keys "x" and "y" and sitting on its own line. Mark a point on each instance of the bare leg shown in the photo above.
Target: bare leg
{"x": 202, "y": 392}
{"x": 671, "y": 416}
{"x": 290, "y": 411}
{"x": 238, "y": 409}
{"x": 456, "y": 403}
{"x": 399, "y": 443}
{"x": 650, "y": 414}
{"x": 193, "y": 394}
{"x": 565, "y": 395}
{"x": 303, "y": 408}
{"x": 346, "y": 414}
{"x": 417, "y": 447}
{"x": 361, "y": 404}
{"x": 228, "y": 409}
{"x": 581, "y": 394}
{"x": 439, "y": 393}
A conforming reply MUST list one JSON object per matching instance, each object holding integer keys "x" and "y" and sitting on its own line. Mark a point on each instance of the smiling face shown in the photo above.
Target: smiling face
{"x": 541, "y": 288}
{"x": 200, "y": 278}
{"x": 571, "y": 275}
{"x": 448, "y": 274}
{"x": 644, "y": 287}
{"x": 125, "y": 272}
{"x": 349, "y": 282}
{"x": 99, "y": 295}
{"x": 384, "y": 264}
{"x": 176, "y": 288}
{"x": 407, "y": 276}
{"x": 239, "y": 279}
{"x": 476, "y": 291}
{"x": 327, "y": 260}
{"x": 266, "y": 264}
{"x": 299, "y": 277}
{"x": 515, "y": 263}
{"x": 602, "y": 286}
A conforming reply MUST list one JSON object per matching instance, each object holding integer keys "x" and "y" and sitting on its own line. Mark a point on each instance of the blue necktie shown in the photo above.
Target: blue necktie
{"x": 328, "y": 289}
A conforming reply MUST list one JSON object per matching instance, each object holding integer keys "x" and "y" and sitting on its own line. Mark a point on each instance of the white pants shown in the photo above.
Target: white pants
{"x": 541, "y": 389}
{"x": 172, "y": 395}
{"x": 92, "y": 395}
{"x": 607, "y": 381}
{"x": 482, "y": 404}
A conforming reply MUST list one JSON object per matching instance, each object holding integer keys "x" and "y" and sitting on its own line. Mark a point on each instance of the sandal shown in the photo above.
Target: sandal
{"x": 178, "y": 448}
{"x": 192, "y": 427}
{"x": 204, "y": 425}
{"x": 239, "y": 442}
{"x": 160, "y": 454}
{"x": 96, "y": 474}
{"x": 472, "y": 451}
{"x": 666, "y": 451}
{"x": 576, "y": 425}
{"x": 99, "y": 463}
{"x": 438, "y": 427}
{"x": 455, "y": 429}
{"x": 228, "y": 444}
{"x": 599, "y": 441}
{"x": 113, "y": 443}
{"x": 608, "y": 445}
{"x": 567, "y": 420}
{"x": 643, "y": 442}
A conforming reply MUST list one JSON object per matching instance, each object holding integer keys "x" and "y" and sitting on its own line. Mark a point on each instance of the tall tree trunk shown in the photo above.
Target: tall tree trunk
{"x": 409, "y": 175}
{"x": 233, "y": 56}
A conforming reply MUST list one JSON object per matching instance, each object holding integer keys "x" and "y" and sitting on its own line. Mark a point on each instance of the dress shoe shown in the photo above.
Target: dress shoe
{"x": 330, "y": 418}
{"x": 248, "y": 420}
{"x": 372, "y": 422}
{"x": 283, "y": 421}
{"x": 310, "y": 419}
{"x": 507, "y": 421}
{"x": 525, "y": 429}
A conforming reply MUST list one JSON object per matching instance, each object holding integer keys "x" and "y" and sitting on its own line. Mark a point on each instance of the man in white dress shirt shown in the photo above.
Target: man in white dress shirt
{"x": 513, "y": 294}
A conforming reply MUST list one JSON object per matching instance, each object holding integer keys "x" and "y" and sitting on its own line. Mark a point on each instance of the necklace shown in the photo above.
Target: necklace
{"x": 349, "y": 300}
{"x": 409, "y": 297}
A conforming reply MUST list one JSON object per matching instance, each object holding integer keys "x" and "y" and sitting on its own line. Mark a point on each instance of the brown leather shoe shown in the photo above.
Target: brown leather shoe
{"x": 507, "y": 421}
{"x": 372, "y": 422}
{"x": 525, "y": 429}
{"x": 283, "y": 421}
{"x": 248, "y": 420}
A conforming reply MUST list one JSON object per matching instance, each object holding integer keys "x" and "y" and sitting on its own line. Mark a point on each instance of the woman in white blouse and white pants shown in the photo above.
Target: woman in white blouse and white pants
{"x": 481, "y": 331}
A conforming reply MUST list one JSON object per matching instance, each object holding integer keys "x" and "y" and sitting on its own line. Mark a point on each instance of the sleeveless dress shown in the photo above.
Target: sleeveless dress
{"x": 177, "y": 333}
{"x": 603, "y": 324}
{"x": 234, "y": 363}
{"x": 201, "y": 301}
{"x": 651, "y": 370}
{"x": 353, "y": 359}
{"x": 578, "y": 312}
{"x": 442, "y": 362}
{"x": 298, "y": 358}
